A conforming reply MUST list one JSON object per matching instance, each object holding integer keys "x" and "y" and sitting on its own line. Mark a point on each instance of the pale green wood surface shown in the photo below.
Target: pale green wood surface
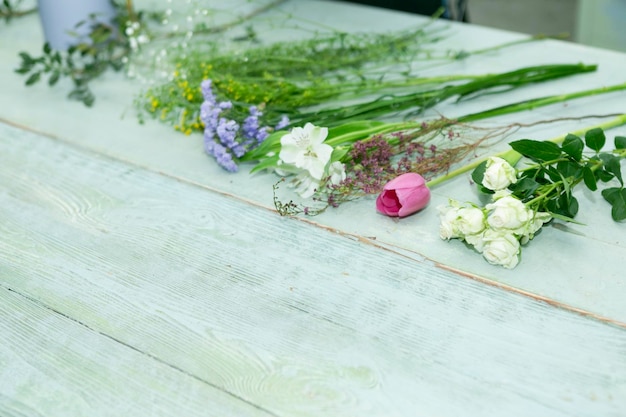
{"x": 595, "y": 285}
{"x": 139, "y": 260}
{"x": 292, "y": 318}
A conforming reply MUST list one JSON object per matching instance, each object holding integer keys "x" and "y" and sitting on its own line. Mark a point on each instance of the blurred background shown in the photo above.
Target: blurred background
{"x": 599, "y": 23}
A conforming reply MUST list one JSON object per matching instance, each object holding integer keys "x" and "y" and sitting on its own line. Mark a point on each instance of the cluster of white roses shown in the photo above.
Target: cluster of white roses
{"x": 499, "y": 229}
{"x": 304, "y": 153}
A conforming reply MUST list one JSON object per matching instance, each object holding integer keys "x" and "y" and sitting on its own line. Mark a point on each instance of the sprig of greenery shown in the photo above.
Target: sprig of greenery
{"x": 548, "y": 184}
{"x": 10, "y": 9}
{"x": 106, "y": 48}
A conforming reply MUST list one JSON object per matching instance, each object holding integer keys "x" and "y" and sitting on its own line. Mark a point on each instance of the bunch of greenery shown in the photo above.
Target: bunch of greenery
{"x": 10, "y": 9}
{"x": 547, "y": 185}
{"x": 107, "y": 47}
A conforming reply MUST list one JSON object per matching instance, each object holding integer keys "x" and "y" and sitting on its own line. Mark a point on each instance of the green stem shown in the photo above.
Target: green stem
{"x": 538, "y": 102}
{"x": 513, "y": 157}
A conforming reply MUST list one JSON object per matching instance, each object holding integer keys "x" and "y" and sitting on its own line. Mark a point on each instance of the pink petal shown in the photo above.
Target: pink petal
{"x": 408, "y": 180}
{"x": 387, "y": 203}
{"x": 412, "y": 200}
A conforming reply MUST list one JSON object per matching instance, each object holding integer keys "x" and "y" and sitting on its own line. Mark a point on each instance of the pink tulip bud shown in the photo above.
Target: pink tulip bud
{"x": 403, "y": 195}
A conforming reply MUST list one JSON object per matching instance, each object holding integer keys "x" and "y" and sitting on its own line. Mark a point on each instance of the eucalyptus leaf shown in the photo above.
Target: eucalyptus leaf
{"x": 33, "y": 78}
{"x": 54, "y": 78}
{"x": 573, "y": 146}
{"x": 595, "y": 139}
{"x": 537, "y": 150}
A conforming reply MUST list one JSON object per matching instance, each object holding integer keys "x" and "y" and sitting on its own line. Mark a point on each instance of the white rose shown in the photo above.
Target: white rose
{"x": 476, "y": 241}
{"x": 470, "y": 221}
{"x": 508, "y": 213}
{"x": 535, "y": 223}
{"x": 448, "y": 228}
{"x": 501, "y": 249}
{"x": 499, "y": 174}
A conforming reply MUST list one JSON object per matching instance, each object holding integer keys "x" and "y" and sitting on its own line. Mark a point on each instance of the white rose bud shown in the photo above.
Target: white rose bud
{"x": 448, "y": 215}
{"x": 501, "y": 249}
{"x": 499, "y": 174}
{"x": 510, "y": 214}
{"x": 471, "y": 220}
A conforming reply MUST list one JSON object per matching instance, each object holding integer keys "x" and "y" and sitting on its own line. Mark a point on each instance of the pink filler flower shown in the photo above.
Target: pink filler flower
{"x": 403, "y": 195}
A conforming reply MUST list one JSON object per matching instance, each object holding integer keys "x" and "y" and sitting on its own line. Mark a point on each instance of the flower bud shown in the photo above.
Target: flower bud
{"x": 499, "y": 174}
{"x": 403, "y": 195}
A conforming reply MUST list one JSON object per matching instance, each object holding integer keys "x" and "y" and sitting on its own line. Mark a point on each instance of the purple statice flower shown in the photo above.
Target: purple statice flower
{"x": 250, "y": 126}
{"x": 282, "y": 123}
{"x": 262, "y": 134}
{"x": 227, "y": 132}
{"x": 220, "y": 153}
{"x": 209, "y": 115}
{"x": 207, "y": 91}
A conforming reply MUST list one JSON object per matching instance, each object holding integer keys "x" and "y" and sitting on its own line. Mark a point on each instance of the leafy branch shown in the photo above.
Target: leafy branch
{"x": 548, "y": 184}
{"x": 9, "y": 10}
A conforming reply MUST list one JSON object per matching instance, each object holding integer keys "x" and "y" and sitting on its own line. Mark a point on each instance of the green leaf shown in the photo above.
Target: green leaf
{"x": 33, "y": 78}
{"x": 620, "y": 142}
{"x": 573, "y": 146}
{"x": 26, "y": 58}
{"x": 569, "y": 169}
{"x": 617, "y": 198}
{"x": 270, "y": 162}
{"x": 54, "y": 78}
{"x": 479, "y": 173}
{"x": 589, "y": 178}
{"x": 612, "y": 165}
{"x": 525, "y": 187}
{"x": 46, "y": 48}
{"x": 595, "y": 139}
{"x": 23, "y": 70}
{"x": 537, "y": 150}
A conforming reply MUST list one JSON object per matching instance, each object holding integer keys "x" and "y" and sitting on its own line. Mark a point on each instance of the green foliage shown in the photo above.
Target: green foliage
{"x": 10, "y": 9}
{"x": 106, "y": 48}
{"x": 548, "y": 185}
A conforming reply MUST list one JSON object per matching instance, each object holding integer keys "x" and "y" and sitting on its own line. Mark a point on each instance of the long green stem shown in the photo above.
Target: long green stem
{"x": 538, "y": 102}
{"x": 513, "y": 157}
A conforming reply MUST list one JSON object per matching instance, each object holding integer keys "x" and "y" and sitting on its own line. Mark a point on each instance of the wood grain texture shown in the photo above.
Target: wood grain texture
{"x": 592, "y": 286}
{"x": 51, "y": 365}
{"x": 292, "y": 318}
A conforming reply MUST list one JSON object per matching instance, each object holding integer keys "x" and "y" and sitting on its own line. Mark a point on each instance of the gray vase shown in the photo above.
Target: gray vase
{"x": 59, "y": 19}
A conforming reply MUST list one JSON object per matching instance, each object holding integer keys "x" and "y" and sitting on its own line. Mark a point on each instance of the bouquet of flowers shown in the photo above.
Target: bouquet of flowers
{"x": 525, "y": 199}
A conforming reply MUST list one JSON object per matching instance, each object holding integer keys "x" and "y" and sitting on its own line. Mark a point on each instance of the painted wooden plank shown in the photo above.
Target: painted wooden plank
{"x": 296, "y": 319}
{"x": 110, "y": 128}
{"x": 52, "y": 365}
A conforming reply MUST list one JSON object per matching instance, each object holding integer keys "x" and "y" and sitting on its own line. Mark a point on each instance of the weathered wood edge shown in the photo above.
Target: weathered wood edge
{"x": 363, "y": 239}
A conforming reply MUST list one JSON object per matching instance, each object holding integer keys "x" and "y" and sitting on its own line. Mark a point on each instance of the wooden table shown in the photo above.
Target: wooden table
{"x": 139, "y": 279}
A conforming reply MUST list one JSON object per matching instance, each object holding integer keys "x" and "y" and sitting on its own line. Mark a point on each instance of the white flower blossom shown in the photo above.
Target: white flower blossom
{"x": 458, "y": 221}
{"x": 501, "y": 248}
{"x": 337, "y": 172}
{"x": 305, "y": 148}
{"x": 508, "y": 213}
{"x": 499, "y": 174}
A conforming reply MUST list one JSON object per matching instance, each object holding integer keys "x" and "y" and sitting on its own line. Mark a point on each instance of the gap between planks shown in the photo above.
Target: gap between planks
{"x": 406, "y": 253}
